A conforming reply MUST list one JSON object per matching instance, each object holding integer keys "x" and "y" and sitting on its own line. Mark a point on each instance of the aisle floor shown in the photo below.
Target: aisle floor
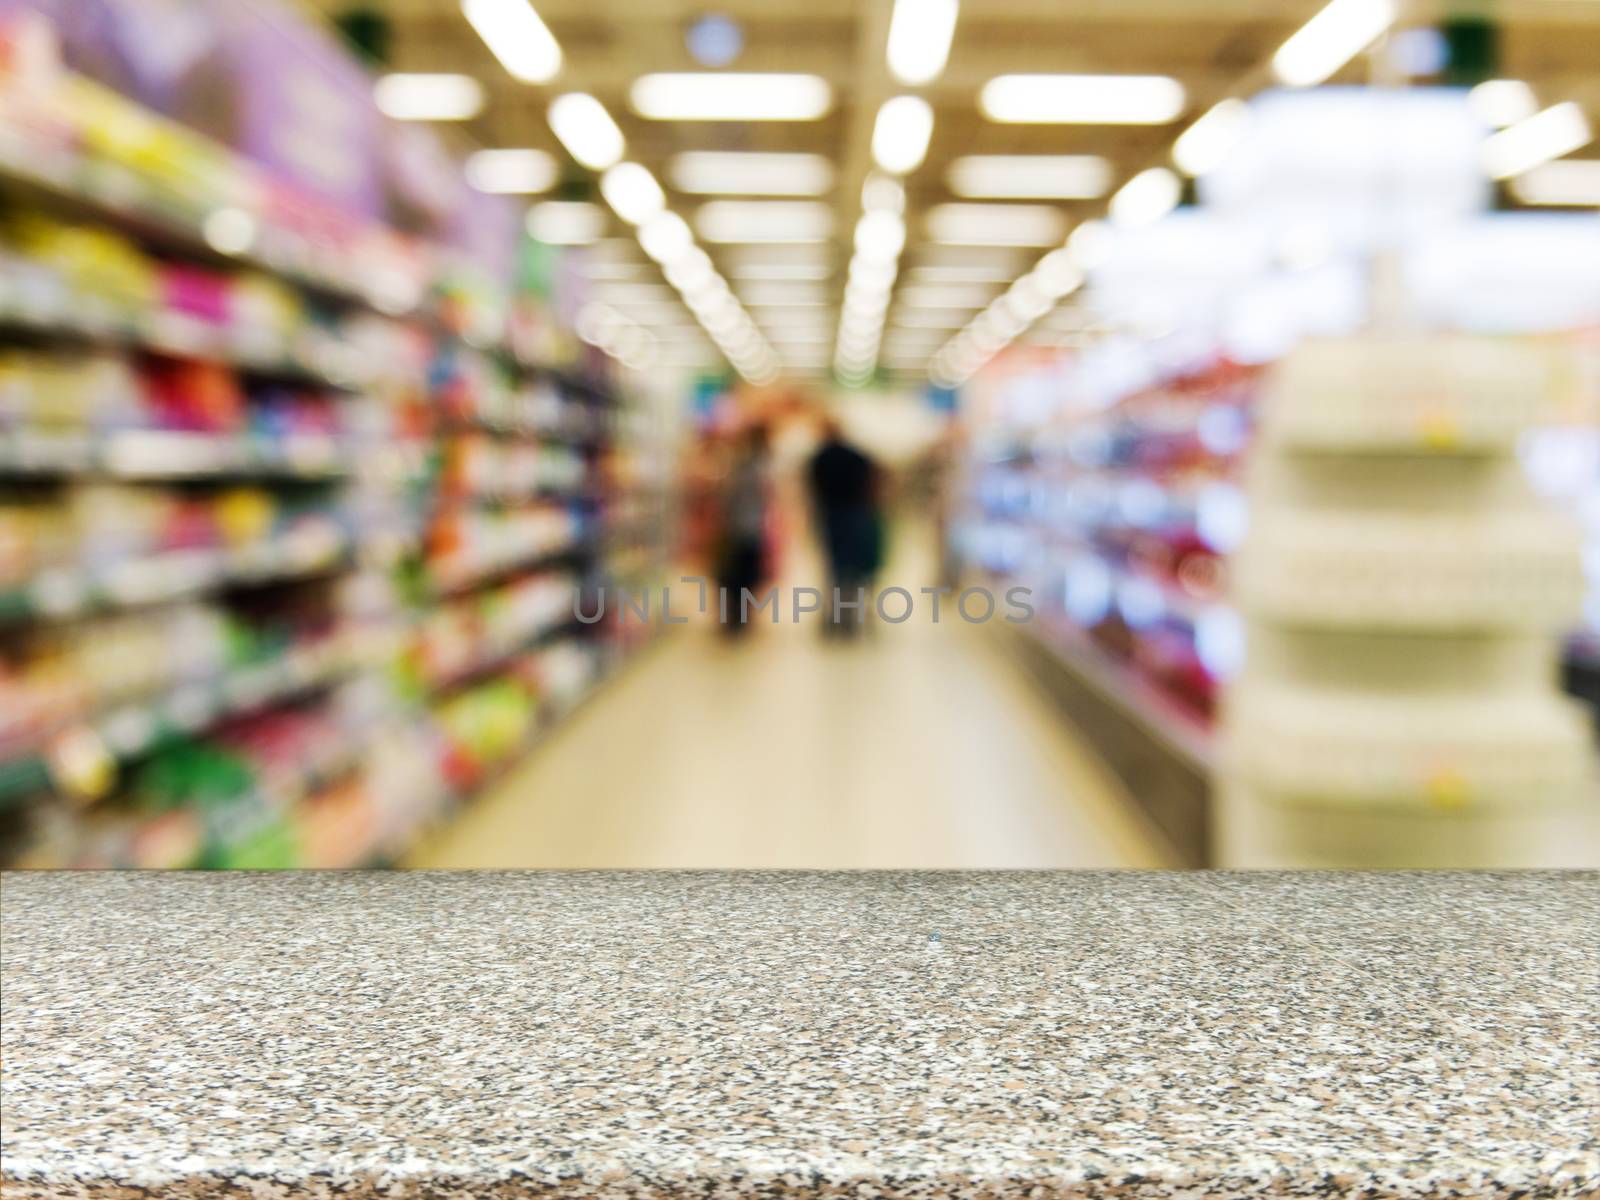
{"x": 918, "y": 746}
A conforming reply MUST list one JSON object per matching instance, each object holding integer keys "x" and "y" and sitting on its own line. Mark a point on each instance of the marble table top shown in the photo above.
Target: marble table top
{"x": 865, "y": 1034}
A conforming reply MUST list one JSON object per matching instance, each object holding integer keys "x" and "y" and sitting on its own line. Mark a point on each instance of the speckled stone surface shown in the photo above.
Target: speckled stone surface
{"x": 861, "y": 1035}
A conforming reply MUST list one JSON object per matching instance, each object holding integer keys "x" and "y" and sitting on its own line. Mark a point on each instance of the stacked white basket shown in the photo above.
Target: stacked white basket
{"x": 1404, "y": 592}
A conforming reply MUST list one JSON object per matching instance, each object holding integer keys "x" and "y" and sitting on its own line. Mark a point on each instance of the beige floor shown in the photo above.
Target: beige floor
{"x": 919, "y": 747}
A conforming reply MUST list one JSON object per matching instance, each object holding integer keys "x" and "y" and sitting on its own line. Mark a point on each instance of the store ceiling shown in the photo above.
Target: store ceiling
{"x": 1215, "y": 48}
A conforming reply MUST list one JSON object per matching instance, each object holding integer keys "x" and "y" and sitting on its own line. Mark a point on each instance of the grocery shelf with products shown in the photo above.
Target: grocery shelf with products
{"x": 1120, "y": 519}
{"x": 293, "y": 509}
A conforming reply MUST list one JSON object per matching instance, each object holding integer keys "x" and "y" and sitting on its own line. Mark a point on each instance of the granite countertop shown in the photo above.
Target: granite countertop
{"x": 861, "y": 1034}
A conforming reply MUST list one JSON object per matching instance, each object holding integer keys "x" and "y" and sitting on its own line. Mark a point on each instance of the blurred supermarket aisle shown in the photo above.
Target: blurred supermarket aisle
{"x": 920, "y": 747}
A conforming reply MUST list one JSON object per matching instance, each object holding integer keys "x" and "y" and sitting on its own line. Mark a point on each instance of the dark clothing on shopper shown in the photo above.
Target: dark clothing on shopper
{"x": 742, "y": 561}
{"x": 844, "y": 493}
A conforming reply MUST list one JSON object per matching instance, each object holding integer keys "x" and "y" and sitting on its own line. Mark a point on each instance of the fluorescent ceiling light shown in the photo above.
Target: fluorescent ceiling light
{"x": 998, "y": 258}
{"x": 1058, "y": 273}
{"x": 1202, "y": 147}
{"x": 565, "y": 222}
{"x": 1558, "y": 130}
{"x": 900, "y": 134}
{"x": 711, "y": 172}
{"x": 665, "y": 237}
{"x": 873, "y": 274}
{"x": 1026, "y": 300}
{"x": 764, "y": 221}
{"x": 780, "y": 270}
{"x": 586, "y": 129}
{"x": 1570, "y": 182}
{"x": 1330, "y": 39}
{"x": 689, "y": 270}
{"x": 883, "y": 191}
{"x": 731, "y": 96}
{"x": 607, "y": 269}
{"x": 996, "y": 224}
{"x": 428, "y": 97}
{"x": 1090, "y": 243}
{"x": 1146, "y": 198}
{"x": 632, "y": 192}
{"x": 919, "y": 39}
{"x": 929, "y": 318}
{"x": 933, "y": 296}
{"x": 511, "y": 172}
{"x": 634, "y": 293}
{"x": 783, "y": 294}
{"x": 653, "y": 315}
{"x": 1502, "y": 102}
{"x": 1082, "y": 99}
{"x": 880, "y": 236}
{"x": 516, "y": 36}
{"x": 1030, "y": 176}
{"x": 959, "y": 273}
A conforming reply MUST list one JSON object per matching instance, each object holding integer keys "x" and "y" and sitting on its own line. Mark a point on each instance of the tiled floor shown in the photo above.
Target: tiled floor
{"x": 919, "y": 746}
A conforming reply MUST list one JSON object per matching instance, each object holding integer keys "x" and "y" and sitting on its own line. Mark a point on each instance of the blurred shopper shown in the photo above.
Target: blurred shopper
{"x": 742, "y": 560}
{"x": 845, "y": 500}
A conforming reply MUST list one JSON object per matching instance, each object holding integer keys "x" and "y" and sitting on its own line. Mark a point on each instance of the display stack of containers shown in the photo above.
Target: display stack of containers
{"x": 1405, "y": 592}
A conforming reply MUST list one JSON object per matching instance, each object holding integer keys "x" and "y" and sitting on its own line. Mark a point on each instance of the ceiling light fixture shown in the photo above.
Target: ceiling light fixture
{"x": 1030, "y": 176}
{"x": 731, "y": 96}
{"x": 948, "y": 296}
{"x": 582, "y": 124}
{"x": 739, "y": 173}
{"x": 1146, "y": 198}
{"x": 920, "y": 32}
{"x": 1202, "y": 147}
{"x": 665, "y": 237}
{"x": 901, "y": 133}
{"x": 1090, "y": 243}
{"x": 996, "y": 224}
{"x": 416, "y": 97}
{"x": 1559, "y": 129}
{"x": 764, "y": 221}
{"x": 883, "y": 191}
{"x": 633, "y": 193}
{"x": 1339, "y": 32}
{"x": 1574, "y": 182}
{"x": 511, "y": 172}
{"x": 958, "y": 273}
{"x": 1082, "y": 99}
{"x": 516, "y": 36}
{"x": 565, "y": 222}
{"x": 1501, "y": 102}
{"x": 783, "y": 294}
{"x": 880, "y": 236}
{"x": 780, "y": 270}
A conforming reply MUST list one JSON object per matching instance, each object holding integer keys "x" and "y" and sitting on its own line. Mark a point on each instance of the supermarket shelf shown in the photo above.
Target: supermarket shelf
{"x": 488, "y": 665}
{"x": 111, "y": 195}
{"x": 490, "y": 571}
{"x": 1166, "y": 722}
{"x": 235, "y": 822}
{"x": 128, "y": 730}
{"x": 163, "y": 455}
{"x": 513, "y": 430}
{"x": 171, "y": 336}
{"x": 67, "y": 592}
{"x": 1163, "y": 756}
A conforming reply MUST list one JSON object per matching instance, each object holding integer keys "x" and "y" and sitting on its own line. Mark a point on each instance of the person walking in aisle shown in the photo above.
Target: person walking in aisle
{"x": 844, "y": 495}
{"x": 746, "y": 498}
